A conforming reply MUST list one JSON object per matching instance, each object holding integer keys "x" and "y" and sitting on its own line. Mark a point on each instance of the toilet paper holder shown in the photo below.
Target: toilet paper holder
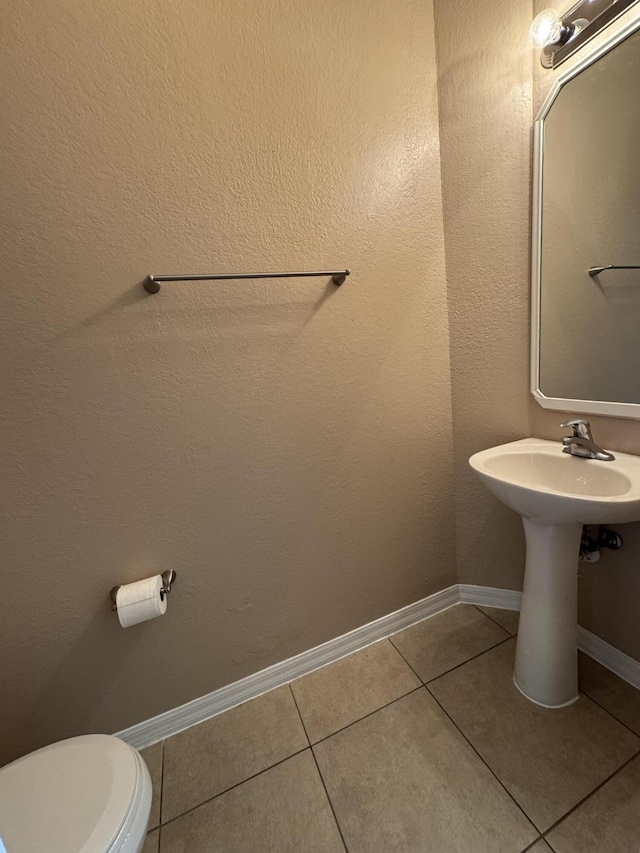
{"x": 168, "y": 579}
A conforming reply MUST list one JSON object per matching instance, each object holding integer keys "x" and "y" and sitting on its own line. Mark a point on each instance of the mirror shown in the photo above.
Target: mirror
{"x": 586, "y": 325}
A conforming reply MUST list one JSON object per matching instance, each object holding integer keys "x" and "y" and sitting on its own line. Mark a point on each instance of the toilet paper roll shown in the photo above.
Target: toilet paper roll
{"x": 140, "y": 601}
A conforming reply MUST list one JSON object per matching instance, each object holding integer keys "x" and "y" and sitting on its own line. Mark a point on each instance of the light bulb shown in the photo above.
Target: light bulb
{"x": 545, "y": 29}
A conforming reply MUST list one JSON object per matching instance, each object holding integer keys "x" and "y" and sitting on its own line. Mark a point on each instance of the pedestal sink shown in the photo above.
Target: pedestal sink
{"x": 555, "y": 493}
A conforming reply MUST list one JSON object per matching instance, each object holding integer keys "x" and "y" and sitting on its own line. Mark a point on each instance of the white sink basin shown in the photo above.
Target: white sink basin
{"x": 555, "y": 493}
{"x": 536, "y": 479}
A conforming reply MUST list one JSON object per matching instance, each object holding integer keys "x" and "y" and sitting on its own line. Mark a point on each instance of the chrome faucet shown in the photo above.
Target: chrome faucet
{"x": 581, "y": 443}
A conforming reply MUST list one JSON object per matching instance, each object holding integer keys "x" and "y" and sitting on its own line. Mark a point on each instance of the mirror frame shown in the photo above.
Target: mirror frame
{"x": 591, "y": 407}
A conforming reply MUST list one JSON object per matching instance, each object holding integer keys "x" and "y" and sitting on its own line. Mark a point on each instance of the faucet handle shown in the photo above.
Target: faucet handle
{"x": 580, "y": 428}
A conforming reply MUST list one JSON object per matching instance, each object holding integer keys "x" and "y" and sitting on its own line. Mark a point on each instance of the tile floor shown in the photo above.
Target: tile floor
{"x": 417, "y": 743}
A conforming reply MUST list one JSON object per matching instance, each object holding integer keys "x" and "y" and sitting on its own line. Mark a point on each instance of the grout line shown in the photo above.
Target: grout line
{"x": 408, "y": 693}
{"x": 370, "y": 714}
{"x": 542, "y": 836}
{"x": 607, "y": 711}
{"x": 333, "y": 811}
{"x": 299, "y": 713}
{"x": 311, "y": 745}
{"x": 237, "y": 785}
{"x": 457, "y": 666}
{"x": 479, "y": 655}
{"x": 500, "y": 782}
{"x": 495, "y": 622}
{"x": 393, "y": 701}
{"x": 467, "y": 739}
{"x": 407, "y": 662}
{"x": 590, "y": 794}
{"x": 533, "y": 844}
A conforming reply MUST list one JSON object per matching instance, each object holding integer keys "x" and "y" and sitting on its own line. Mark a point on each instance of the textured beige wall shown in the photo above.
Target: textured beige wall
{"x": 491, "y": 85}
{"x": 285, "y": 446}
{"x": 485, "y": 126}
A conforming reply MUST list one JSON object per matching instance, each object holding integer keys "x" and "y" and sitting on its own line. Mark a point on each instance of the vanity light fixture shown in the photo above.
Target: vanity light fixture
{"x": 557, "y": 36}
{"x": 548, "y": 32}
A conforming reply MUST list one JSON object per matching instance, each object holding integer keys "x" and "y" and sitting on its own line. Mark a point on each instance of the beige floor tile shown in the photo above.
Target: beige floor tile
{"x": 283, "y": 810}
{"x": 153, "y": 759}
{"x": 404, "y": 779}
{"x": 615, "y": 695}
{"x": 540, "y": 847}
{"x": 608, "y": 822}
{"x": 438, "y": 644}
{"x": 507, "y": 619}
{"x": 152, "y": 842}
{"x": 331, "y": 698}
{"x": 548, "y": 759}
{"x": 205, "y": 760}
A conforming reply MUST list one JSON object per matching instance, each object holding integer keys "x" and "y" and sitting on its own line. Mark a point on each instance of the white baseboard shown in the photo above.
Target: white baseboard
{"x": 626, "y": 667}
{"x": 489, "y": 596}
{"x": 177, "y": 719}
{"x": 508, "y": 599}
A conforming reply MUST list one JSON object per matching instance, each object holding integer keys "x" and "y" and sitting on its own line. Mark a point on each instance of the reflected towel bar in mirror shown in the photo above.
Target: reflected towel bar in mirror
{"x": 597, "y": 270}
{"x": 152, "y": 282}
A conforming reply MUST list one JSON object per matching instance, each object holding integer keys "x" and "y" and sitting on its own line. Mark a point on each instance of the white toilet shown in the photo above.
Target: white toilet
{"x": 89, "y": 794}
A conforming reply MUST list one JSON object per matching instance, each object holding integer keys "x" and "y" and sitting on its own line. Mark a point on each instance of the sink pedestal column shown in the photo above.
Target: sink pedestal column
{"x": 546, "y": 670}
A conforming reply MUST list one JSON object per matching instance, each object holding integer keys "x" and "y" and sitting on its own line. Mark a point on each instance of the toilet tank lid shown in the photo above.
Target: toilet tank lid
{"x": 71, "y": 797}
